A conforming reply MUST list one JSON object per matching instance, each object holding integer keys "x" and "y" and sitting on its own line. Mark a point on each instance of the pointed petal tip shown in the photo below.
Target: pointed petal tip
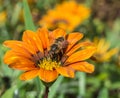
{"x": 22, "y": 78}
{"x": 66, "y": 71}
{"x": 91, "y": 69}
{"x": 83, "y": 67}
{"x": 7, "y": 42}
{"x": 29, "y": 74}
{"x": 42, "y": 28}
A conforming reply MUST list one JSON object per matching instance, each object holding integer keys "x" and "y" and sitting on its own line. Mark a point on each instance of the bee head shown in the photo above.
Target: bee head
{"x": 60, "y": 39}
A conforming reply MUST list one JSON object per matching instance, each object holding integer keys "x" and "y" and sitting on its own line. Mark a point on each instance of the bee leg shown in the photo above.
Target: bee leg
{"x": 54, "y": 57}
{"x": 63, "y": 59}
{"x": 45, "y": 53}
{"x": 61, "y": 51}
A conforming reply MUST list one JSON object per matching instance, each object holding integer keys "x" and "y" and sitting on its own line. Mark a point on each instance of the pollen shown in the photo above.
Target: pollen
{"x": 48, "y": 64}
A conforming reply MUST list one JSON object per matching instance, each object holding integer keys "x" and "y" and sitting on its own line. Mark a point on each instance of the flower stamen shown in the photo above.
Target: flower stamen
{"x": 48, "y": 64}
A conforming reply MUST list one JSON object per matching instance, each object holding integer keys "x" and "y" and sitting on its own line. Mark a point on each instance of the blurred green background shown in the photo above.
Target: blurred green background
{"x": 103, "y": 23}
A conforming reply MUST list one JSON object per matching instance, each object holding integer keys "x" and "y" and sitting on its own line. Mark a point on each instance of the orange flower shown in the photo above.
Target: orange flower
{"x": 67, "y": 15}
{"x": 48, "y": 54}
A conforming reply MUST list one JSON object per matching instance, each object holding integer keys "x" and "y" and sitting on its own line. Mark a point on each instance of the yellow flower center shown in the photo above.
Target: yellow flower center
{"x": 48, "y": 64}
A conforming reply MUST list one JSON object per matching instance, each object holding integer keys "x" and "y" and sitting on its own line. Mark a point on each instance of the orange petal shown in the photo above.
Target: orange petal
{"x": 9, "y": 57}
{"x": 43, "y": 35}
{"x": 29, "y": 74}
{"x": 66, "y": 71}
{"x": 19, "y": 46}
{"x": 12, "y": 56}
{"x": 47, "y": 75}
{"x": 20, "y": 63}
{"x": 81, "y": 55}
{"x": 32, "y": 40}
{"x": 22, "y": 66}
{"x": 77, "y": 46}
{"x": 72, "y": 39}
{"x": 83, "y": 67}
{"x": 58, "y": 33}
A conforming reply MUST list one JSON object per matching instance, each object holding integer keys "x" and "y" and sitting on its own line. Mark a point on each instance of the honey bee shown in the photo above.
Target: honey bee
{"x": 57, "y": 48}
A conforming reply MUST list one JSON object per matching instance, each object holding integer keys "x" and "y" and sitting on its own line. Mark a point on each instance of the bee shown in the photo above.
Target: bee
{"x": 57, "y": 48}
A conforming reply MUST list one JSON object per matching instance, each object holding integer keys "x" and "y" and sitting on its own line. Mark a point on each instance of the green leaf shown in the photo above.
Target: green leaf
{"x": 82, "y": 83}
{"x": 114, "y": 35}
{"x": 28, "y": 17}
{"x": 54, "y": 87}
{"x": 40, "y": 87}
{"x": 15, "y": 15}
{"x": 115, "y": 85}
{"x": 9, "y": 92}
{"x": 103, "y": 93}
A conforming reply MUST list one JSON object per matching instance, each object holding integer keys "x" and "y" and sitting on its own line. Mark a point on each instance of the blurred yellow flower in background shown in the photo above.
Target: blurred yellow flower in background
{"x": 67, "y": 15}
{"x": 103, "y": 52}
{"x": 3, "y": 17}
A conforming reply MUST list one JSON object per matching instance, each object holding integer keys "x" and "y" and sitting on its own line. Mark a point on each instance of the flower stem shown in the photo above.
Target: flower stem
{"x": 46, "y": 92}
{"x": 82, "y": 84}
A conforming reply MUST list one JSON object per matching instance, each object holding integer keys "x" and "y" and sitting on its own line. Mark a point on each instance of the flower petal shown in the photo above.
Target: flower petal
{"x": 18, "y": 45}
{"x": 22, "y": 66}
{"x": 16, "y": 61}
{"x": 47, "y": 75}
{"x": 12, "y": 56}
{"x": 73, "y": 38}
{"x": 43, "y": 35}
{"x": 106, "y": 56}
{"x": 32, "y": 40}
{"x": 66, "y": 71}
{"x": 29, "y": 74}
{"x": 77, "y": 46}
{"x": 81, "y": 55}
{"x": 21, "y": 63}
{"x": 57, "y": 33}
{"x": 83, "y": 67}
